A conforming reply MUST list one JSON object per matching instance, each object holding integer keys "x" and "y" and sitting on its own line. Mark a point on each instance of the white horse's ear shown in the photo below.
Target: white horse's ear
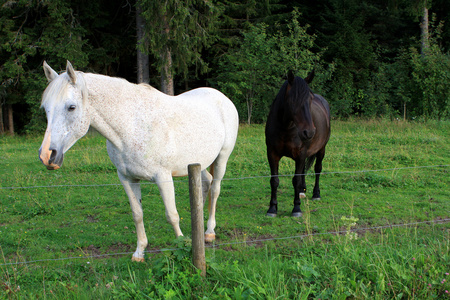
{"x": 71, "y": 72}
{"x": 49, "y": 72}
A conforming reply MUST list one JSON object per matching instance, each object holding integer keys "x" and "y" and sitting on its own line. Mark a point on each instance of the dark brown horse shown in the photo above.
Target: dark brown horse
{"x": 298, "y": 127}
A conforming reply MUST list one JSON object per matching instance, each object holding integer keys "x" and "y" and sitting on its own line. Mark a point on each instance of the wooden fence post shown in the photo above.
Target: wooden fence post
{"x": 197, "y": 222}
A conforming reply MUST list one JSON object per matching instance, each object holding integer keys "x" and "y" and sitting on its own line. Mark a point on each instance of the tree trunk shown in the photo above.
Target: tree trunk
{"x": 166, "y": 69}
{"x": 404, "y": 111}
{"x": 166, "y": 74}
{"x": 143, "y": 75}
{"x": 2, "y": 127}
{"x": 249, "y": 109}
{"x": 424, "y": 29}
{"x": 10, "y": 119}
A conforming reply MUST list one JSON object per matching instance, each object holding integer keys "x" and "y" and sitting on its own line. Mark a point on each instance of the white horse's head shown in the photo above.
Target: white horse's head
{"x": 65, "y": 103}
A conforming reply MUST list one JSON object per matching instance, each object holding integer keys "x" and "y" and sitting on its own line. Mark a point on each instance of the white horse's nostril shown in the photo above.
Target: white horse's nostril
{"x": 52, "y": 156}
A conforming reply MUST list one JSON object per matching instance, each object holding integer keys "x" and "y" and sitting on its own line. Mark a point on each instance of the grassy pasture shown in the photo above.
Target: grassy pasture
{"x": 376, "y": 174}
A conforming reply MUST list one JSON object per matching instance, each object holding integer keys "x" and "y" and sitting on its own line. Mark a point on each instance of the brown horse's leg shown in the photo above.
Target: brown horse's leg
{"x": 299, "y": 186}
{"x": 317, "y": 169}
{"x": 274, "y": 182}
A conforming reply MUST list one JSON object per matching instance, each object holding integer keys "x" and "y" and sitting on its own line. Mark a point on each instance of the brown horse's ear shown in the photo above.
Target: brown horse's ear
{"x": 291, "y": 77}
{"x": 310, "y": 77}
{"x": 49, "y": 72}
{"x": 71, "y": 72}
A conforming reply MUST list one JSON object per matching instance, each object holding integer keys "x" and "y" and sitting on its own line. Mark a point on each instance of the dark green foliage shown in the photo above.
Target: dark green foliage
{"x": 420, "y": 82}
{"x": 252, "y": 74}
{"x": 184, "y": 28}
{"x": 92, "y": 35}
{"x": 367, "y": 54}
{"x": 31, "y": 30}
{"x": 431, "y": 75}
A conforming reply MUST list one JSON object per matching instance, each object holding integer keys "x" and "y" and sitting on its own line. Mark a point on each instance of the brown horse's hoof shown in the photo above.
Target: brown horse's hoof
{"x": 296, "y": 214}
{"x": 138, "y": 259}
{"x": 210, "y": 237}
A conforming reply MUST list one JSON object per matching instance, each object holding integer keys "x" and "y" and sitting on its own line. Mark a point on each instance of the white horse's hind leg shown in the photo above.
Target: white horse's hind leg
{"x": 167, "y": 191}
{"x": 207, "y": 179}
{"x": 133, "y": 190}
{"x": 218, "y": 171}
{"x": 206, "y": 185}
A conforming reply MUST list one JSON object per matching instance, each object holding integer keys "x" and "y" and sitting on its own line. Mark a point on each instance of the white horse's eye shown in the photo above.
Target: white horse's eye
{"x": 71, "y": 108}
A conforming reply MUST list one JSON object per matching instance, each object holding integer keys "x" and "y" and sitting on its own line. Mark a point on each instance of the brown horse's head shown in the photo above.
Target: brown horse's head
{"x": 299, "y": 97}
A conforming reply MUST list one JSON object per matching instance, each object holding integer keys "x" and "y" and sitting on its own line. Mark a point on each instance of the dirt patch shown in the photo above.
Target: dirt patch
{"x": 91, "y": 219}
{"x": 92, "y": 250}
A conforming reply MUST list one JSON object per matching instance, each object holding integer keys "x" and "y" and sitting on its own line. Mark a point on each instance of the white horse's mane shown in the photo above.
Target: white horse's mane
{"x": 146, "y": 85}
{"x": 58, "y": 88}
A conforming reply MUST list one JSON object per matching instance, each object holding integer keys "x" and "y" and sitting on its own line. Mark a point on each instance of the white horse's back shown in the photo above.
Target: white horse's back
{"x": 211, "y": 130}
{"x": 172, "y": 132}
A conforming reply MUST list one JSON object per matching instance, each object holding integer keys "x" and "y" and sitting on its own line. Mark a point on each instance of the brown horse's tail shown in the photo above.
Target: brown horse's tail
{"x": 309, "y": 162}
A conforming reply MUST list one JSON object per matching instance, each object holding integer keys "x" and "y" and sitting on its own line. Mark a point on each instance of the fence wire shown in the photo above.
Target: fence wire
{"x": 214, "y": 245}
{"x": 442, "y": 221}
{"x": 227, "y": 179}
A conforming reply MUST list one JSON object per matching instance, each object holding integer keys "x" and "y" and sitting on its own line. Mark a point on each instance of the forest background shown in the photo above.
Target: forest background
{"x": 372, "y": 58}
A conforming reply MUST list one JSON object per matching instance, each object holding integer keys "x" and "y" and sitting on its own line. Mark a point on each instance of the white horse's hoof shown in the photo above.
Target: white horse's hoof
{"x": 296, "y": 214}
{"x": 302, "y": 195}
{"x": 314, "y": 199}
{"x": 272, "y": 215}
{"x": 138, "y": 259}
{"x": 210, "y": 237}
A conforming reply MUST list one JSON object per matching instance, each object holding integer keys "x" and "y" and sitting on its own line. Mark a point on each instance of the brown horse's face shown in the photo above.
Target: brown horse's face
{"x": 300, "y": 109}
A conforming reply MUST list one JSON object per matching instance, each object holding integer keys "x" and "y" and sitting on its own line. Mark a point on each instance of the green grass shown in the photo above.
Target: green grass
{"x": 81, "y": 210}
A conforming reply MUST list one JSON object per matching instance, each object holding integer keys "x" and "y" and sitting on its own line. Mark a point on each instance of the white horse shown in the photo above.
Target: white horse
{"x": 150, "y": 135}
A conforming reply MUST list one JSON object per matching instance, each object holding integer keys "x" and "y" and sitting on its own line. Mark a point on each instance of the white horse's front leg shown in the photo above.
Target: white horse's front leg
{"x": 133, "y": 190}
{"x": 167, "y": 191}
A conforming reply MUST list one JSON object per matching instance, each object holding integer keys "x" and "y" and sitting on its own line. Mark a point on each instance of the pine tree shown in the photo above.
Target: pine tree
{"x": 177, "y": 31}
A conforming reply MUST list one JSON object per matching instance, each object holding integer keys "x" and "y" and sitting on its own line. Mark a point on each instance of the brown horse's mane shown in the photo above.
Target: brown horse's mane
{"x": 299, "y": 92}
